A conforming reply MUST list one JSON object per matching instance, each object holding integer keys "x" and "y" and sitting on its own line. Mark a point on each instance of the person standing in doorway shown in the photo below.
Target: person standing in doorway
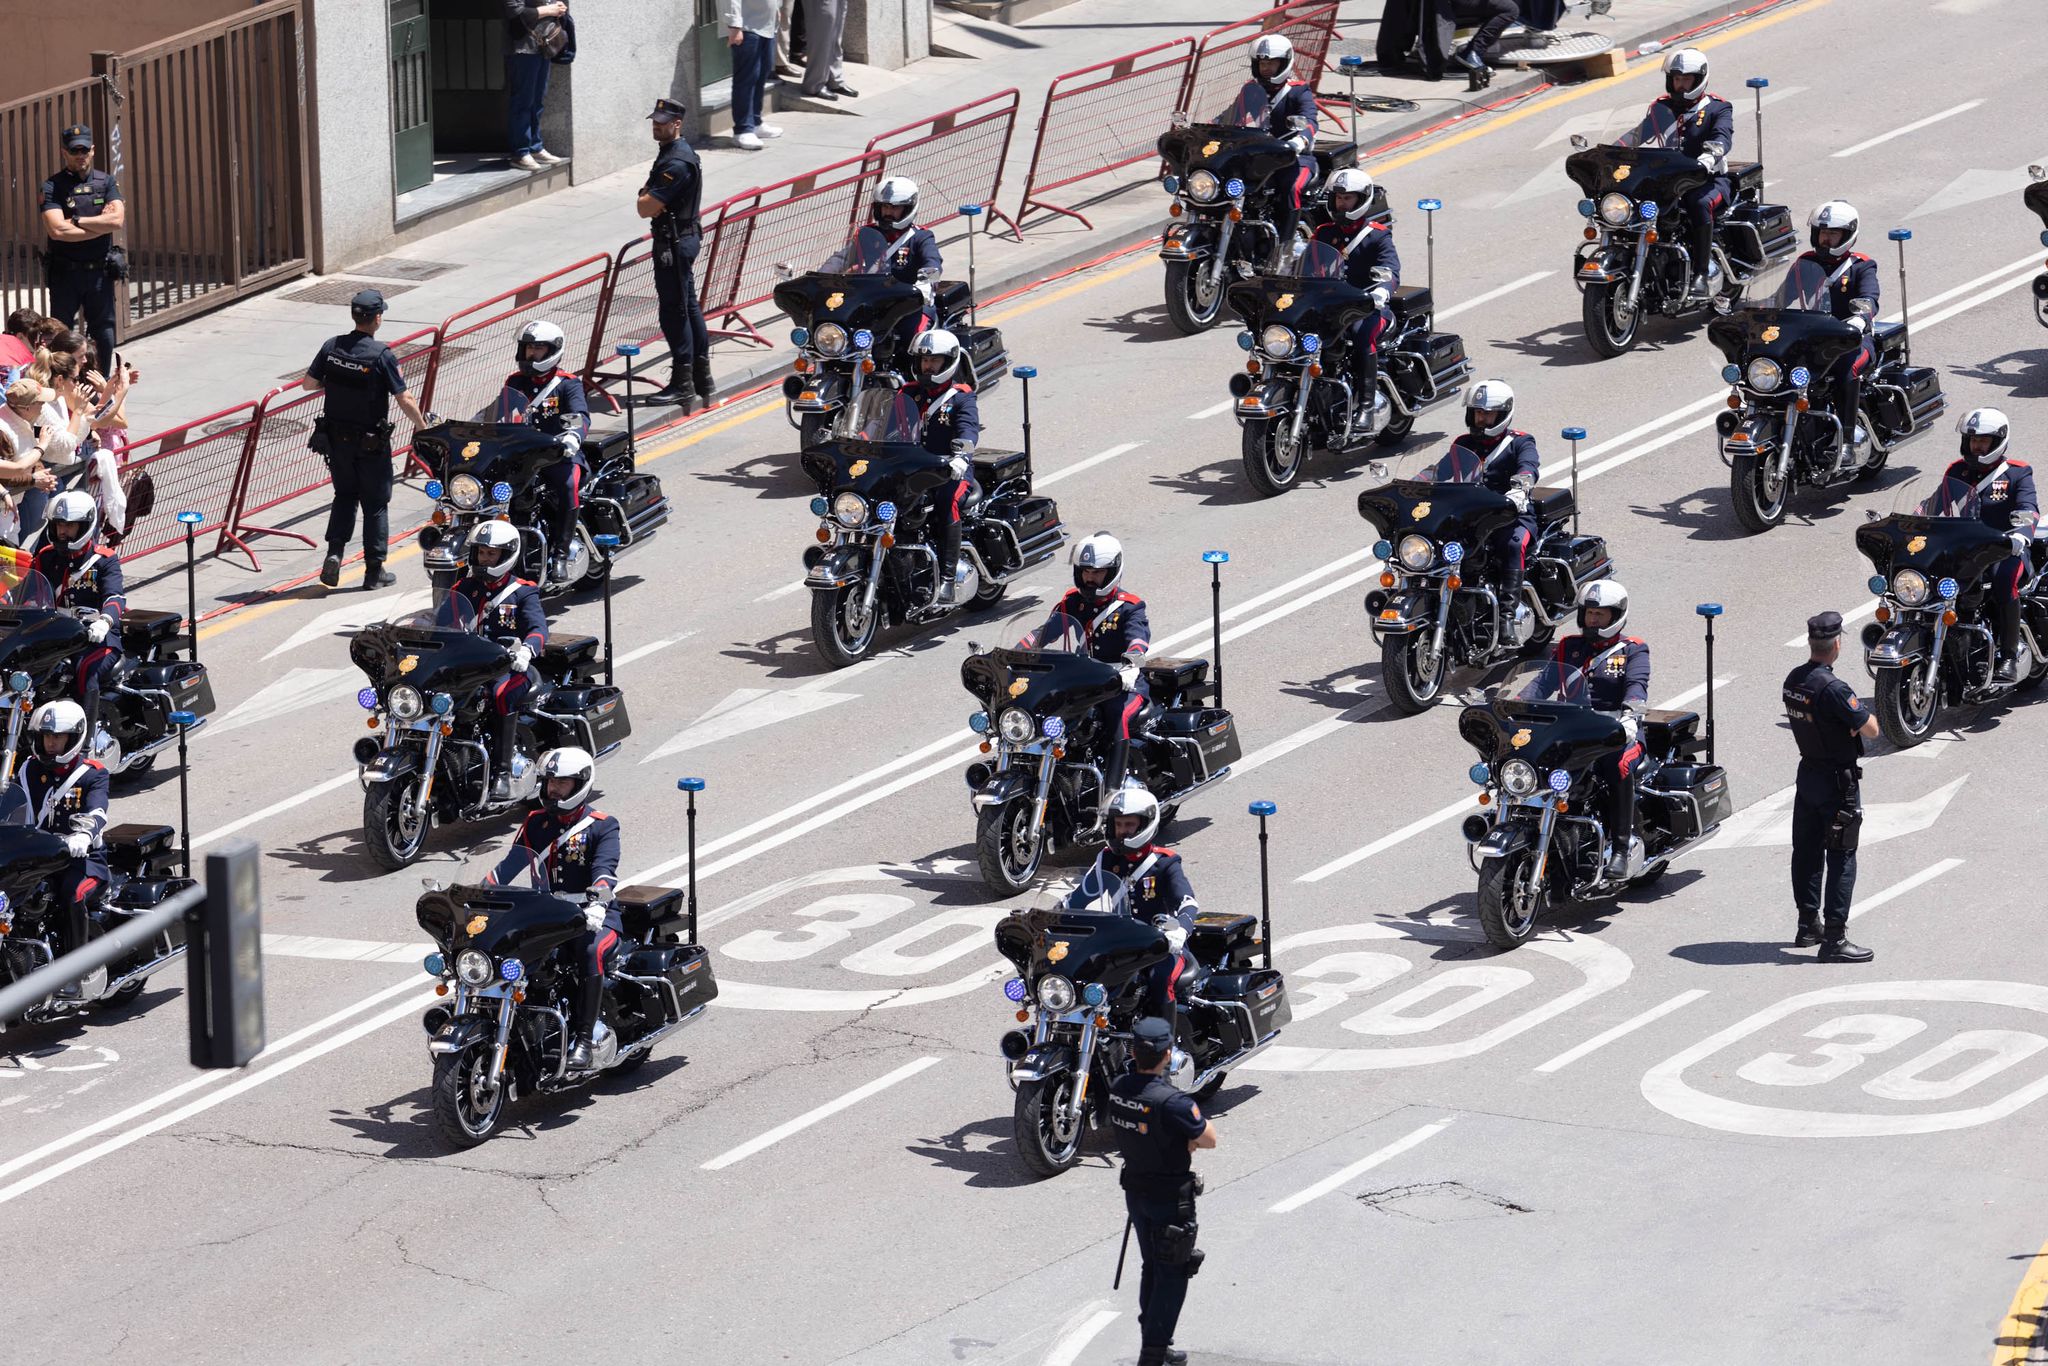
{"x": 670, "y": 200}
{"x": 82, "y": 210}
{"x": 526, "y": 82}
{"x": 825, "y": 73}
{"x": 750, "y": 28}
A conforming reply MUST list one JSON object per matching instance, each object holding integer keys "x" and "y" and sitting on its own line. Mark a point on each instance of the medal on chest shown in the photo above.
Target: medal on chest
{"x": 1999, "y": 491}
{"x": 1615, "y": 664}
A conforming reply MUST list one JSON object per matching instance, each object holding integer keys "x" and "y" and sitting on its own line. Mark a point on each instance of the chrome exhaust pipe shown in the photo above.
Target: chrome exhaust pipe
{"x": 142, "y": 973}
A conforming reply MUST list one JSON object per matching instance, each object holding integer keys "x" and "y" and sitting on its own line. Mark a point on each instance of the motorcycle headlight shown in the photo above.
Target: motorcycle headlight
{"x": 1416, "y": 552}
{"x": 406, "y": 703}
{"x": 1909, "y": 586}
{"x": 18, "y": 681}
{"x": 1277, "y": 341}
{"x": 1055, "y": 994}
{"x": 829, "y": 339}
{"x": 1518, "y": 777}
{"x": 1764, "y": 375}
{"x": 1016, "y": 725}
{"x": 474, "y": 967}
{"x": 1616, "y": 208}
{"x": 850, "y": 510}
{"x": 1203, "y": 186}
{"x": 465, "y": 491}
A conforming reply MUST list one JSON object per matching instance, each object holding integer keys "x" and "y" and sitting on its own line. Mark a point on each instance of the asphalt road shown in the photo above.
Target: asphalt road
{"x": 1656, "y": 1133}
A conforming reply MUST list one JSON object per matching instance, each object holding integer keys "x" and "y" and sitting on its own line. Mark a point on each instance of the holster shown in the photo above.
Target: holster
{"x": 1846, "y": 830}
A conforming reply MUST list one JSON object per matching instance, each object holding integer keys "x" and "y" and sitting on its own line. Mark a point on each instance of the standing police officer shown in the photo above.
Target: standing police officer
{"x": 1830, "y": 725}
{"x": 82, "y": 210}
{"x": 670, "y": 198}
{"x": 360, "y": 377}
{"x": 1158, "y": 1128}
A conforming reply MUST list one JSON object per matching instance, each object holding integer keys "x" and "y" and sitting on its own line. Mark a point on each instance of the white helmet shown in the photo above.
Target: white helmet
{"x": 936, "y": 341}
{"x": 499, "y": 536}
{"x": 58, "y": 718}
{"x": 895, "y": 192}
{"x": 1687, "y": 61}
{"x": 1100, "y": 551}
{"x": 74, "y": 507}
{"x": 1131, "y": 800}
{"x": 547, "y": 335}
{"x": 1836, "y": 213}
{"x": 1985, "y": 422}
{"x": 1272, "y": 47}
{"x": 1604, "y": 593}
{"x": 1494, "y": 398}
{"x": 1351, "y": 180}
{"x": 567, "y": 763}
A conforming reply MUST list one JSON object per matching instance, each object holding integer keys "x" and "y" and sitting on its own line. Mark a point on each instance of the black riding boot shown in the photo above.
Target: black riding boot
{"x": 700, "y": 375}
{"x": 589, "y": 998}
{"x": 949, "y": 562}
{"x": 504, "y": 736}
{"x": 2005, "y": 621}
{"x": 1365, "y": 383}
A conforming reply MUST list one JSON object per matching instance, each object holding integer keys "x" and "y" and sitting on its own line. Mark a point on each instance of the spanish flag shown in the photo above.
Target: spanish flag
{"x": 14, "y": 565}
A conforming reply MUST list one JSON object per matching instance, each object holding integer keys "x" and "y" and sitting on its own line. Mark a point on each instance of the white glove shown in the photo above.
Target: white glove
{"x": 957, "y": 466}
{"x": 1707, "y": 160}
{"x": 1129, "y": 674}
{"x": 96, "y": 630}
{"x": 1176, "y": 933}
{"x": 1380, "y": 295}
{"x": 522, "y": 656}
{"x": 1630, "y": 726}
{"x": 78, "y": 846}
{"x": 571, "y": 443}
{"x": 1519, "y": 496}
{"x": 2021, "y": 542}
{"x": 593, "y": 914}
{"x": 924, "y": 288}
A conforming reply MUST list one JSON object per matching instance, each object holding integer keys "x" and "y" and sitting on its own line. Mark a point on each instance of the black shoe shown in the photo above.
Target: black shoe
{"x": 700, "y": 375}
{"x": 1842, "y": 951}
{"x": 2007, "y": 672}
{"x": 330, "y": 571}
{"x": 1469, "y": 59}
{"x": 377, "y": 576}
{"x": 1176, "y": 1357}
{"x": 825, "y": 94}
{"x": 677, "y": 391}
{"x": 842, "y": 88}
{"x": 1699, "y": 286}
{"x": 579, "y": 1054}
{"x": 1809, "y": 934}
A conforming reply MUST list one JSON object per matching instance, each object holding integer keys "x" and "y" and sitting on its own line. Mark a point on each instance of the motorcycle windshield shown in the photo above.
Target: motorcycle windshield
{"x": 865, "y": 253}
{"x": 30, "y": 592}
{"x": 14, "y": 807}
{"x": 1542, "y": 714}
{"x": 1544, "y": 681}
{"x": 1249, "y": 109}
{"x": 449, "y": 611}
{"x": 1038, "y": 662}
{"x": 1805, "y": 286}
{"x": 1054, "y": 632}
{"x": 1439, "y": 499}
{"x": 501, "y": 922}
{"x": 898, "y": 422}
{"x": 1081, "y": 945}
{"x": 1320, "y": 261}
{"x": 1658, "y": 129}
{"x": 1454, "y": 466}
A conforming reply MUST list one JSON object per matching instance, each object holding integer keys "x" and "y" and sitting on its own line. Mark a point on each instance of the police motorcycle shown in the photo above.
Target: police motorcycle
{"x": 509, "y": 964}
{"x": 1633, "y": 262}
{"x": 2036, "y": 198}
{"x": 1933, "y": 643}
{"x": 1435, "y": 608}
{"x": 845, "y": 326}
{"x": 1294, "y": 394}
{"x": 1545, "y": 758}
{"x": 491, "y": 470}
{"x": 428, "y": 760}
{"x": 1043, "y": 719}
{"x": 41, "y": 645}
{"x": 876, "y": 562}
{"x": 1781, "y": 430}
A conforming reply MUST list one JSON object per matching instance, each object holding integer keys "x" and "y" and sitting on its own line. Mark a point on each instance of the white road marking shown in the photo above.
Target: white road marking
{"x": 1068, "y": 1349}
{"x": 645, "y": 650}
{"x": 748, "y": 709}
{"x": 1899, "y": 889}
{"x": 1628, "y": 1026}
{"x": 346, "y": 950}
{"x": 1848, "y": 618}
{"x": 825, "y": 1111}
{"x": 1360, "y": 1167}
{"x": 354, "y": 614}
{"x": 299, "y": 689}
{"x": 751, "y": 996}
{"x": 1307, "y": 735}
{"x": 1225, "y": 406}
{"x": 1973, "y": 186}
{"x": 1445, "y": 315}
{"x": 1769, "y": 822}
{"x": 1048, "y": 480}
{"x": 782, "y": 592}
{"x": 275, "y": 808}
{"x": 1914, "y": 127}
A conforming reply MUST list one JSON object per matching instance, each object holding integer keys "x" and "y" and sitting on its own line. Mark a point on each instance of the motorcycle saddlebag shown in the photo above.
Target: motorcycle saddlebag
{"x": 185, "y": 680}
{"x": 606, "y": 712}
{"x": 1588, "y": 555}
{"x": 651, "y": 914}
{"x": 985, "y": 353}
{"x": 1250, "y": 1006}
{"x": 1213, "y": 732}
{"x": 1172, "y": 679}
{"x": 687, "y": 968}
{"x": 1689, "y": 799}
{"x": 142, "y": 894}
{"x": 1774, "y": 232}
{"x": 141, "y": 851}
{"x": 1447, "y": 363}
{"x": 1028, "y": 514}
{"x": 1226, "y": 940}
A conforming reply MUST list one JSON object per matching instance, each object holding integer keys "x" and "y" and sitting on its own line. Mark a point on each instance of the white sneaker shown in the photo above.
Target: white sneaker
{"x": 548, "y": 158}
{"x": 767, "y": 130}
{"x": 746, "y": 142}
{"x": 527, "y": 162}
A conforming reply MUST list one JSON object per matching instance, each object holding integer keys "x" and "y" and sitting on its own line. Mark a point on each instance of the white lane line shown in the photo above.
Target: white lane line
{"x": 1307, "y": 735}
{"x": 1914, "y": 127}
{"x": 1360, "y": 1167}
{"x": 1225, "y": 406}
{"x": 1608, "y": 1036}
{"x": 1047, "y": 480}
{"x": 276, "y": 808}
{"x": 825, "y": 1111}
{"x": 1444, "y": 315}
{"x": 342, "y": 950}
{"x": 1848, "y": 618}
{"x": 782, "y": 592}
{"x": 1691, "y": 695}
{"x": 1068, "y": 1349}
{"x": 1896, "y": 890}
{"x": 645, "y": 650}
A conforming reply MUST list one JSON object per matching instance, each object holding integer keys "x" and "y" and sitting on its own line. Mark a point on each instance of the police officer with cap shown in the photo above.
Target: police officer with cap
{"x": 1158, "y": 1127}
{"x": 360, "y": 378}
{"x": 670, "y": 200}
{"x": 82, "y": 210}
{"x": 1830, "y": 725}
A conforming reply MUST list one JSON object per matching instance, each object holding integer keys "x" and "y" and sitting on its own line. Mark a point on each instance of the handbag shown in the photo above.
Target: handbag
{"x": 550, "y": 38}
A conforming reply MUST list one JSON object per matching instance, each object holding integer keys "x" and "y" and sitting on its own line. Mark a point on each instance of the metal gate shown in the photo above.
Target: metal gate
{"x": 412, "y": 97}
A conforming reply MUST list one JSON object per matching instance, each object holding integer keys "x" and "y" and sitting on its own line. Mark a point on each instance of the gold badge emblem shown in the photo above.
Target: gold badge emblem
{"x": 1771, "y": 333}
{"x": 469, "y": 452}
{"x": 1017, "y": 688}
{"x": 476, "y": 924}
{"x": 1209, "y": 149}
{"x": 1916, "y": 545}
{"x": 834, "y": 300}
{"x": 1285, "y": 301}
{"x": 1422, "y": 509}
{"x": 408, "y": 664}
{"x": 1057, "y": 951}
{"x": 1521, "y": 738}
{"x": 857, "y": 469}
{"x": 1621, "y": 172}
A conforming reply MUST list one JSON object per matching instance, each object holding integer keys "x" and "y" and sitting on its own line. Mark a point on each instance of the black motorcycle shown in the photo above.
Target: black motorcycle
{"x": 1634, "y": 262}
{"x": 1436, "y": 608}
{"x": 1933, "y": 643}
{"x": 489, "y": 470}
{"x": 1041, "y": 698}
{"x": 1781, "y": 430}
{"x": 430, "y": 676}
{"x": 1294, "y": 395}
{"x": 2037, "y": 199}
{"x": 1546, "y": 758}
{"x": 509, "y": 956}
{"x": 846, "y": 322}
{"x": 1080, "y": 967}
{"x": 41, "y": 646}
{"x": 876, "y": 562}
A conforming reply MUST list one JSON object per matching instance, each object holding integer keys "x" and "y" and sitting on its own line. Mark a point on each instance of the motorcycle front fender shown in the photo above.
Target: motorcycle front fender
{"x": 391, "y": 764}
{"x": 1506, "y": 838}
{"x": 1405, "y": 612}
{"x": 831, "y": 567}
{"x": 1010, "y": 785}
{"x": 1903, "y": 646}
{"x": 463, "y": 1033}
{"x": 1042, "y": 1061}
{"x": 1597, "y": 264}
{"x": 828, "y": 386}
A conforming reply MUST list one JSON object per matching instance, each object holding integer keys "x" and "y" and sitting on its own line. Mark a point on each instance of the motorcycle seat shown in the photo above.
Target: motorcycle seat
{"x": 951, "y": 297}
{"x": 564, "y": 652}
{"x": 1666, "y": 732}
{"x": 1412, "y": 301}
{"x": 1550, "y": 505}
{"x": 148, "y": 627}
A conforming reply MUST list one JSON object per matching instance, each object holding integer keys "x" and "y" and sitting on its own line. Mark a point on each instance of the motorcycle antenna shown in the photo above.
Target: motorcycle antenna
{"x": 1216, "y": 559}
{"x": 1024, "y": 374}
{"x": 630, "y": 352}
{"x": 970, "y": 212}
{"x": 1575, "y": 435}
{"x": 1901, "y": 236}
{"x": 191, "y": 521}
{"x": 1710, "y": 610}
{"x": 1430, "y": 206}
{"x": 1263, "y": 810}
{"x": 607, "y": 542}
{"x": 1352, "y": 66}
{"x": 692, "y": 786}
{"x": 1759, "y": 84}
{"x": 182, "y": 720}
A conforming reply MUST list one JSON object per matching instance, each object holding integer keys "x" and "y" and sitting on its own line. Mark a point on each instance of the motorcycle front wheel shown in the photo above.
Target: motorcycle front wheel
{"x": 468, "y": 1110}
{"x": 1045, "y": 1143}
{"x": 1761, "y": 495}
{"x": 1192, "y": 306}
{"x": 1412, "y": 683}
{"x": 1510, "y": 901}
{"x": 1008, "y": 849}
{"x": 390, "y": 831}
{"x": 1905, "y": 720}
{"x": 1612, "y": 327}
{"x": 843, "y": 635}
{"x": 1272, "y": 464}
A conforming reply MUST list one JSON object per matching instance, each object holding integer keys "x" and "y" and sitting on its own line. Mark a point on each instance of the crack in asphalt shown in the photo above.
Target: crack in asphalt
{"x": 405, "y": 1255}
{"x": 1387, "y": 1199}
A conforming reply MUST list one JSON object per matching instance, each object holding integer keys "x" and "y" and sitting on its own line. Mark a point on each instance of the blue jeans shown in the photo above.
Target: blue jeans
{"x": 526, "y": 89}
{"x": 752, "y": 61}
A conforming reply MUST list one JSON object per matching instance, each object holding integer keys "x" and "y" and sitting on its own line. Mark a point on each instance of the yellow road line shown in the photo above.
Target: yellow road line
{"x": 2021, "y": 1331}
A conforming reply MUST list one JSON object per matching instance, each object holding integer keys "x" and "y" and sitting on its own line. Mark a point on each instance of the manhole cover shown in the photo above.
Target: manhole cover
{"x": 340, "y": 291}
{"x": 399, "y": 268}
{"x": 1546, "y": 49}
{"x": 1385, "y": 104}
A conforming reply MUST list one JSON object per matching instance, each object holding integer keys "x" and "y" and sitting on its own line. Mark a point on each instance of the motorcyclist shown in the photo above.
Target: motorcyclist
{"x": 550, "y": 399}
{"x": 1286, "y": 109}
{"x": 1688, "y": 118}
{"x": 1154, "y": 889}
{"x": 505, "y": 605}
{"x": 2007, "y": 501}
{"x": 1852, "y": 296}
{"x": 1508, "y": 464}
{"x": 86, "y": 579}
{"x": 950, "y": 423}
{"x": 1616, "y": 669}
{"x": 1113, "y": 628}
{"x": 67, "y": 796}
{"x": 570, "y": 848}
{"x": 908, "y": 253}
{"x": 1371, "y": 264}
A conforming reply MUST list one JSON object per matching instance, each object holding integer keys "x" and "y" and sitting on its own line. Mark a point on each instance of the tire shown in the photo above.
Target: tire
{"x": 464, "y": 1115}
{"x": 1400, "y": 671}
{"x": 1268, "y": 472}
{"x": 1209, "y": 1088}
{"x": 1652, "y": 876}
{"x": 1396, "y": 431}
{"x": 1508, "y": 909}
{"x": 137, "y": 767}
{"x": 120, "y": 998}
{"x": 387, "y": 809}
{"x": 1895, "y": 714}
{"x": 2036, "y": 676}
{"x": 839, "y": 643}
{"x": 999, "y": 839}
{"x": 989, "y": 596}
{"x": 1604, "y": 333}
{"x": 1043, "y": 1148}
{"x": 1183, "y": 309}
{"x": 1755, "y": 506}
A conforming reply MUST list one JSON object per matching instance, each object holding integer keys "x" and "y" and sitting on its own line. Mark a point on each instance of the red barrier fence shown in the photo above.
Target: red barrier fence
{"x": 799, "y": 222}
{"x": 956, "y": 157}
{"x": 1222, "y": 63}
{"x": 1104, "y": 117}
{"x": 475, "y": 352}
{"x": 198, "y": 467}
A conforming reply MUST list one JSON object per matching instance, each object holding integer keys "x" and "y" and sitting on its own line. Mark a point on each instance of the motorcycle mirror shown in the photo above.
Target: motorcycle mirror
{"x": 974, "y": 647}
{"x": 2038, "y": 172}
{"x": 1579, "y": 142}
{"x": 1870, "y": 514}
{"x": 784, "y": 271}
{"x": 433, "y": 884}
{"x": 1376, "y": 469}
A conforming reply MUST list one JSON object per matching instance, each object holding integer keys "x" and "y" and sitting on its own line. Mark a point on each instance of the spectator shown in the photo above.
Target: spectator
{"x": 18, "y": 342}
{"x": 825, "y": 74}
{"x": 787, "y": 49}
{"x": 82, "y": 210}
{"x": 21, "y": 461}
{"x": 526, "y": 82}
{"x": 750, "y": 28}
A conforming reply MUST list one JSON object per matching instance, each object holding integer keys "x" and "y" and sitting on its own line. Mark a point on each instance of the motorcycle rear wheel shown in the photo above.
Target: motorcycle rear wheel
{"x": 1269, "y": 469}
{"x": 1003, "y": 843}
{"x": 1880, "y": 450}
{"x": 1411, "y": 689}
{"x": 1509, "y": 907}
{"x": 1186, "y": 308}
{"x": 1043, "y": 1146}
{"x": 838, "y": 639}
{"x": 1606, "y": 331}
{"x": 388, "y": 829}
{"x": 467, "y": 1111}
{"x": 1896, "y": 717}
{"x": 1396, "y": 429}
{"x": 1757, "y": 506}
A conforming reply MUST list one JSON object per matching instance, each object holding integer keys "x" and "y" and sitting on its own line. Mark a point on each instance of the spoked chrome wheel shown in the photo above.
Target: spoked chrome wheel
{"x": 1272, "y": 458}
{"x": 1047, "y": 1142}
{"x": 1510, "y": 899}
{"x": 1192, "y": 303}
{"x": 1412, "y": 675}
{"x": 843, "y": 632}
{"x": 1008, "y": 848}
{"x": 1907, "y": 702}
{"x": 391, "y": 829}
{"x": 1761, "y": 492}
{"x": 1612, "y": 327}
{"x": 468, "y": 1107}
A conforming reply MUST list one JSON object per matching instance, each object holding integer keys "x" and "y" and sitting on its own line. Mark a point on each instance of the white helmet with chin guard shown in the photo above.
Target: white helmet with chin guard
{"x": 1984, "y": 424}
{"x": 1098, "y": 553}
{"x": 1837, "y": 215}
{"x": 1267, "y": 51}
{"x": 1610, "y": 595}
{"x": 575, "y": 765}
{"x": 936, "y": 342}
{"x": 1131, "y": 801}
{"x": 895, "y": 201}
{"x": 1685, "y": 75}
{"x": 77, "y": 514}
{"x": 540, "y": 349}
{"x": 502, "y": 544}
{"x": 1489, "y": 407}
{"x": 64, "y": 719}
{"x": 1351, "y": 180}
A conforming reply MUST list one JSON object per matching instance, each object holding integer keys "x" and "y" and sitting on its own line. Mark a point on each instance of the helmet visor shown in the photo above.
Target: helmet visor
{"x": 54, "y": 742}
{"x": 484, "y": 555}
{"x": 930, "y": 363}
{"x": 1978, "y": 446}
{"x": 64, "y": 533}
{"x": 1094, "y": 578}
{"x": 558, "y": 790}
{"x": 891, "y": 215}
{"x": 1684, "y": 82}
{"x": 1269, "y": 68}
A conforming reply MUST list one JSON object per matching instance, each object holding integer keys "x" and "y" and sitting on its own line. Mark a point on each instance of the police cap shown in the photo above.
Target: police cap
{"x": 666, "y": 111}
{"x": 367, "y": 301}
{"x": 1153, "y": 1037}
{"x": 75, "y": 138}
{"x": 1826, "y": 626}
